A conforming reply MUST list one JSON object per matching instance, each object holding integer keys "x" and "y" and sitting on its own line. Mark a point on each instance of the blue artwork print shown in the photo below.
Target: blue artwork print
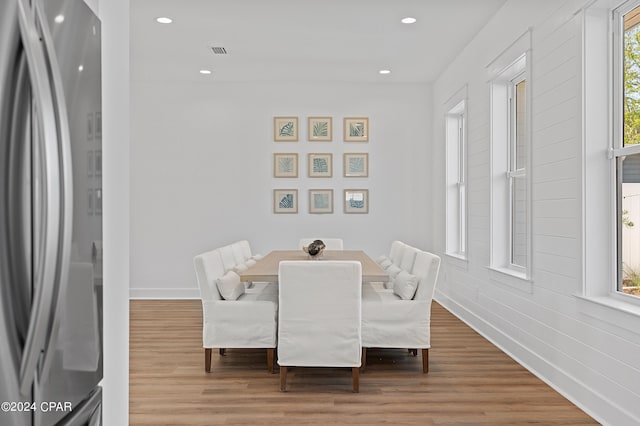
{"x": 321, "y": 201}
{"x": 320, "y": 165}
{"x": 287, "y": 129}
{"x": 356, "y": 165}
{"x": 286, "y": 202}
{"x": 356, "y": 204}
{"x": 356, "y": 129}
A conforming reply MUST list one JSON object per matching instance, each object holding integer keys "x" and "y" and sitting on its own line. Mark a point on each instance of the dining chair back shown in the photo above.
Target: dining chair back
{"x": 320, "y": 312}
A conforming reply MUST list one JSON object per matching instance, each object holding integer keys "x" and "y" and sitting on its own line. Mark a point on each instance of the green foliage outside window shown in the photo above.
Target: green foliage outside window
{"x": 632, "y": 86}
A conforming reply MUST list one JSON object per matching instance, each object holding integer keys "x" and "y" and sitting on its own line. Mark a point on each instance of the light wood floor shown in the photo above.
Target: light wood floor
{"x": 470, "y": 381}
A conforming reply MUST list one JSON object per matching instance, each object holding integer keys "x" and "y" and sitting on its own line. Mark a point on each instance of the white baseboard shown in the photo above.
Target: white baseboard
{"x": 164, "y": 293}
{"x": 602, "y": 409}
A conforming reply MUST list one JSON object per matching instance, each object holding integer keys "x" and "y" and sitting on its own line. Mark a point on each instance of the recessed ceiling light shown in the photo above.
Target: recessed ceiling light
{"x": 408, "y": 20}
{"x": 81, "y": 68}
{"x": 205, "y": 72}
{"x": 384, "y": 72}
{"x": 164, "y": 20}
{"x": 59, "y": 19}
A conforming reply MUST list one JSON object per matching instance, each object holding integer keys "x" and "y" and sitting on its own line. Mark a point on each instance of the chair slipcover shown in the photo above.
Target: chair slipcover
{"x": 248, "y": 322}
{"x": 319, "y": 322}
{"x": 390, "y": 322}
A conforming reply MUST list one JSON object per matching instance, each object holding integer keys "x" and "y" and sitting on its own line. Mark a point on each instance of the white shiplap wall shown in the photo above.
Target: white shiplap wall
{"x": 571, "y": 345}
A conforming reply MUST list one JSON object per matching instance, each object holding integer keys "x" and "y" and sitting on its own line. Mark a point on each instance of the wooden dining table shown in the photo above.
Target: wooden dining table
{"x": 266, "y": 269}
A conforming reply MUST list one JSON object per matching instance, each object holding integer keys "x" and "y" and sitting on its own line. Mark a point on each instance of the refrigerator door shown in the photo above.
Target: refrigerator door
{"x": 15, "y": 222}
{"x": 71, "y": 365}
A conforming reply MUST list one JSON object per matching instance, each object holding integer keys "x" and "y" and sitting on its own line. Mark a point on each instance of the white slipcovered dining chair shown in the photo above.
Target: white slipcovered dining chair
{"x": 246, "y": 320}
{"x": 319, "y": 320}
{"x": 330, "y": 243}
{"x": 390, "y": 321}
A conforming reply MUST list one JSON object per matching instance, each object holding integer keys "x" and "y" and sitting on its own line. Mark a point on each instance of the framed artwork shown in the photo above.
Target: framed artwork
{"x": 90, "y": 163}
{"x": 285, "y": 201}
{"x": 89, "y": 126}
{"x": 356, "y": 129}
{"x": 320, "y": 165}
{"x": 356, "y": 164}
{"x": 98, "y": 162}
{"x": 320, "y": 201}
{"x": 98, "y": 125}
{"x": 285, "y": 129}
{"x": 285, "y": 165}
{"x": 356, "y": 201}
{"x": 90, "y": 202}
{"x": 98, "y": 205}
{"x": 320, "y": 129}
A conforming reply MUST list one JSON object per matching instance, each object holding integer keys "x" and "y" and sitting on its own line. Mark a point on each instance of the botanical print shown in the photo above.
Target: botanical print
{"x": 285, "y": 201}
{"x": 320, "y": 165}
{"x": 356, "y": 164}
{"x": 285, "y": 165}
{"x": 320, "y": 201}
{"x": 285, "y": 129}
{"x": 320, "y": 128}
{"x": 356, "y": 129}
{"x": 356, "y": 201}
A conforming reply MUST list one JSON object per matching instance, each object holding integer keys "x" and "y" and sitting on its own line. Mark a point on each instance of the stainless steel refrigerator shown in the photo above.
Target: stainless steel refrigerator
{"x": 50, "y": 214}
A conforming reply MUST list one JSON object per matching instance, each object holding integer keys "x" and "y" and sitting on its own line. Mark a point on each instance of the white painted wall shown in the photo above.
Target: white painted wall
{"x": 575, "y": 346}
{"x": 202, "y": 168}
{"x": 114, "y": 15}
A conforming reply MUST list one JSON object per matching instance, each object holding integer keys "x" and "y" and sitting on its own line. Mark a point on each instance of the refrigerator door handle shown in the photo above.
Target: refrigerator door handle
{"x": 66, "y": 175}
{"x": 46, "y": 270}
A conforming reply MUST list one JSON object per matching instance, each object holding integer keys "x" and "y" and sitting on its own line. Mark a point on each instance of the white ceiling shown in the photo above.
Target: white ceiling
{"x": 302, "y": 40}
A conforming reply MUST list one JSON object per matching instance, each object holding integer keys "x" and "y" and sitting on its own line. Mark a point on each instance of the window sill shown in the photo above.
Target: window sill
{"x": 613, "y": 303}
{"x": 457, "y": 260}
{"x": 511, "y": 278}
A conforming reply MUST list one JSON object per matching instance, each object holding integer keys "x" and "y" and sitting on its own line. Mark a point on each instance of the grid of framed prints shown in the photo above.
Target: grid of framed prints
{"x": 320, "y": 164}
{"x": 94, "y": 163}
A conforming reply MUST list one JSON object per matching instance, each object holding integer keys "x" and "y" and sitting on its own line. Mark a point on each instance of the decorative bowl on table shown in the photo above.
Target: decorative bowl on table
{"x": 315, "y": 249}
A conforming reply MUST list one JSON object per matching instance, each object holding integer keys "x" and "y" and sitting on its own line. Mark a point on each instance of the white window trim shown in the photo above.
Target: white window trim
{"x": 599, "y": 267}
{"x": 512, "y": 62}
{"x": 457, "y": 218}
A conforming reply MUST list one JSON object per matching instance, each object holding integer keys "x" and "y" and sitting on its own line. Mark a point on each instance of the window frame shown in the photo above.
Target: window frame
{"x": 617, "y": 150}
{"x": 513, "y": 63}
{"x": 513, "y": 172}
{"x": 599, "y": 295}
{"x": 456, "y": 176}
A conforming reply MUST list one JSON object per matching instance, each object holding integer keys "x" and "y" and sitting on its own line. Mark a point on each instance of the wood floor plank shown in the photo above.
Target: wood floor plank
{"x": 470, "y": 381}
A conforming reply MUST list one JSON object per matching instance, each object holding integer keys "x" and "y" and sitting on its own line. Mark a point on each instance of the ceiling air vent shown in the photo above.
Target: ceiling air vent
{"x": 219, "y": 50}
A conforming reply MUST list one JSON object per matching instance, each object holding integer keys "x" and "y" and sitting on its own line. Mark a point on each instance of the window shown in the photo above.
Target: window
{"x": 626, "y": 149}
{"x": 517, "y": 173}
{"x": 456, "y": 181}
{"x": 510, "y": 192}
